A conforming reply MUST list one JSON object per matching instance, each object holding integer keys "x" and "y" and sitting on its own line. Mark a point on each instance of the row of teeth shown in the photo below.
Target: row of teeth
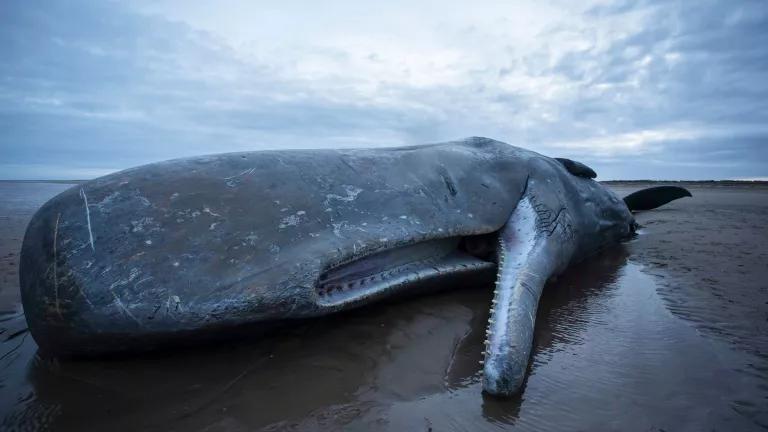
{"x": 326, "y": 288}
{"x": 488, "y": 333}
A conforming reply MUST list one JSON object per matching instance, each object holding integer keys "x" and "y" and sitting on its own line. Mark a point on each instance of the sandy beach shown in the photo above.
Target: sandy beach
{"x": 667, "y": 332}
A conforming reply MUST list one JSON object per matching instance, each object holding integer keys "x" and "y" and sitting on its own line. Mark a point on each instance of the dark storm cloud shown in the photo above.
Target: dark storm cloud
{"x": 653, "y": 89}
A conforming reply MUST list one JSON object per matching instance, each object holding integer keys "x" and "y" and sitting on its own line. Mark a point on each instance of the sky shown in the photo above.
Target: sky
{"x": 636, "y": 89}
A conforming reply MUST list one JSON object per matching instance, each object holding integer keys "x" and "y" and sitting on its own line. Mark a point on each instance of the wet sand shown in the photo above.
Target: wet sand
{"x": 666, "y": 332}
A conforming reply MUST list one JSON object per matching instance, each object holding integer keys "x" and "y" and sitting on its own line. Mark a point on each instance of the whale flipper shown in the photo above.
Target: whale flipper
{"x": 651, "y": 198}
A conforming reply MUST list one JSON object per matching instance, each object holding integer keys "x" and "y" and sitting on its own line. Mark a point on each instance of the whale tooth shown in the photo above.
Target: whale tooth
{"x": 482, "y": 361}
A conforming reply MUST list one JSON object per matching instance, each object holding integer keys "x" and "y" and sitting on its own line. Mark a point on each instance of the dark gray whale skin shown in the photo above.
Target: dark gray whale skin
{"x": 190, "y": 247}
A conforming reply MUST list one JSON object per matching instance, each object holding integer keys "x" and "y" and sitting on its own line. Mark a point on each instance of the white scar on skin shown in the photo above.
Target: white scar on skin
{"x": 134, "y": 273}
{"x": 248, "y": 171}
{"x": 88, "y": 218}
{"x": 352, "y": 193}
{"x": 212, "y": 213}
{"x": 120, "y": 304}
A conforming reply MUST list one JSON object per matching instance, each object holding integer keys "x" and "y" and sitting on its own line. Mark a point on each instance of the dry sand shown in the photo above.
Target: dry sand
{"x": 666, "y": 332}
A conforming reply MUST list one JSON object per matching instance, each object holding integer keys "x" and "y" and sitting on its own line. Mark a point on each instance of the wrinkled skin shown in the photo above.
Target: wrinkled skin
{"x": 196, "y": 247}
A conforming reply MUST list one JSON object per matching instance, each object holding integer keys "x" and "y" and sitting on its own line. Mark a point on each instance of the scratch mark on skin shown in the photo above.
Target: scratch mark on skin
{"x": 235, "y": 179}
{"x": 291, "y": 220}
{"x": 56, "y": 267}
{"x": 337, "y": 228}
{"x": 81, "y": 292}
{"x": 88, "y": 218}
{"x": 144, "y": 201}
{"x": 85, "y": 297}
{"x": 352, "y": 193}
{"x": 250, "y": 239}
{"x": 212, "y": 213}
{"x": 109, "y": 199}
{"x": 120, "y": 304}
{"x": 142, "y": 281}
{"x": 176, "y": 304}
{"x": 248, "y": 171}
{"x": 134, "y": 273}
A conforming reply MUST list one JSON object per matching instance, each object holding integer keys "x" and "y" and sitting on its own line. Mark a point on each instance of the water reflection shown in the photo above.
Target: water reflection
{"x": 563, "y": 315}
{"x": 605, "y": 350}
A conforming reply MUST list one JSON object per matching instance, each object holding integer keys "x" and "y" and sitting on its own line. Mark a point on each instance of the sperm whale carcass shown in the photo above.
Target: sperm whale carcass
{"x": 199, "y": 246}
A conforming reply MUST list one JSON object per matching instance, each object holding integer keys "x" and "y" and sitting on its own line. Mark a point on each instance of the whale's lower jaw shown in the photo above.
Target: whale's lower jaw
{"x": 529, "y": 254}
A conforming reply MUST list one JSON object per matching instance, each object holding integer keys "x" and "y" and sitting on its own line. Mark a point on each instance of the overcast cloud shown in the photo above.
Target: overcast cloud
{"x": 649, "y": 89}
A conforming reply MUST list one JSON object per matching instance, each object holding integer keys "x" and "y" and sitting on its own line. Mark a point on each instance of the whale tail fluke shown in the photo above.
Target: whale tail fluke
{"x": 654, "y": 197}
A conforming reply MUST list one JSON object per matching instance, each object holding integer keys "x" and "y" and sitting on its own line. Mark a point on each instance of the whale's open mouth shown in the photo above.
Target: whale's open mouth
{"x": 423, "y": 263}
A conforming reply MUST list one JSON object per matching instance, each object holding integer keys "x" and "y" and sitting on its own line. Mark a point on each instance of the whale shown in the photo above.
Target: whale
{"x": 199, "y": 248}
